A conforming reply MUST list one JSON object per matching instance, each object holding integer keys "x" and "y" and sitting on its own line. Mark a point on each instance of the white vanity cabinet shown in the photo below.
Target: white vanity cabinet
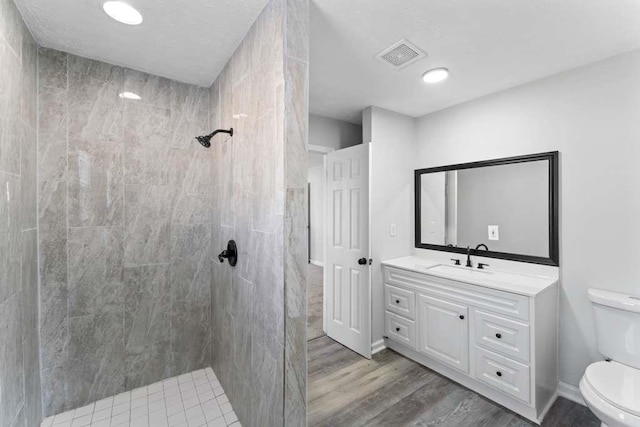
{"x": 493, "y": 332}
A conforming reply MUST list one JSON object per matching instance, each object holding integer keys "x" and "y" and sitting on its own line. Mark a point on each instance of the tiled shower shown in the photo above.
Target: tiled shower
{"x": 112, "y": 217}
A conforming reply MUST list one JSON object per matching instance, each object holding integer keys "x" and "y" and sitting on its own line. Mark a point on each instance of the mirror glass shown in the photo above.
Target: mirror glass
{"x": 503, "y": 206}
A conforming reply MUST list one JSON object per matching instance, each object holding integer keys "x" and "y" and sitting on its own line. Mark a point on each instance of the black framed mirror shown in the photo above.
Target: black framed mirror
{"x": 504, "y": 208}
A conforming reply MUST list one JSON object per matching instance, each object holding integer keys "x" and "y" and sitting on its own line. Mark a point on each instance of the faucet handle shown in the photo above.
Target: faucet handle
{"x": 455, "y": 261}
{"x": 482, "y": 265}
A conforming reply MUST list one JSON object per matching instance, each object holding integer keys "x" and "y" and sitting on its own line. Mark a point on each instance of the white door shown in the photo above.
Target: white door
{"x": 443, "y": 329}
{"x": 348, "y": 290}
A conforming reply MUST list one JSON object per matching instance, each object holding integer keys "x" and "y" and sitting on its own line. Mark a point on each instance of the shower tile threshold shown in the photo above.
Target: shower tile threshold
{"x": 191, "y": 400}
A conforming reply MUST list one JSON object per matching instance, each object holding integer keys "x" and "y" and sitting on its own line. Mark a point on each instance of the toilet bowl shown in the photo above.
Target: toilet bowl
{"x": 612, "y": 389}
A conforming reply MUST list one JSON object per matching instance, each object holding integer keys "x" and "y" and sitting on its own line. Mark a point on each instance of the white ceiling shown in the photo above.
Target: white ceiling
{"x": 186, "y": 40}
{"x": 489, "y": 45}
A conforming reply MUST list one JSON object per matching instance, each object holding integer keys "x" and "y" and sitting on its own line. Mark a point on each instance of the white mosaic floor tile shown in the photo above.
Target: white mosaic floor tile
{"x": 195, "y": 399}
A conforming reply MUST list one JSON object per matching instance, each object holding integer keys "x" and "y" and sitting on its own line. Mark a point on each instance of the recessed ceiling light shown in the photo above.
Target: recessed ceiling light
{"x": 436, "y": 75}
{"x": 130, "y": 95}
{"x": 122, "y": 12}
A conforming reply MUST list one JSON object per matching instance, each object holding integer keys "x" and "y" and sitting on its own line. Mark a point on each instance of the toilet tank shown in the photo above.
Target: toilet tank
{"x": 617, "y": 326}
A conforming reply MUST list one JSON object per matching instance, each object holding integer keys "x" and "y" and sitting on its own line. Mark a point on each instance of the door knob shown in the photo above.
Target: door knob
{"x": 231, "y": 254}
{"x": 362, "y": 261}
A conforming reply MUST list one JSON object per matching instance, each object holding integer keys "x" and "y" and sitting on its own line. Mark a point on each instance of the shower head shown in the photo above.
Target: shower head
{"x": 205, "y": 140}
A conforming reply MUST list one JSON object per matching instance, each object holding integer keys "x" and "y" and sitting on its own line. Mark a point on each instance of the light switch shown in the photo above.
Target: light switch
{"x": 494, "y": 232}
{"x": 393, "y": 230}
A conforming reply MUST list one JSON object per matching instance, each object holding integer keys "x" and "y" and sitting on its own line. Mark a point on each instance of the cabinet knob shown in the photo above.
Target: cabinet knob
{"x": 462, "y": 316}
{"x": 397, "y": 329}
{"x": 397, "y": 301}
{"x": 498, "y": 336}
{"x": 499, "y": 373}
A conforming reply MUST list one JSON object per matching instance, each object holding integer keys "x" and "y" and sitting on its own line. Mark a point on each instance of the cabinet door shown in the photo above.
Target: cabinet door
{"x": 443, "y": 330}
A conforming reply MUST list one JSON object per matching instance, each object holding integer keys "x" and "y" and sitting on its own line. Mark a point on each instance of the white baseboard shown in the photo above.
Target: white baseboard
{"x": 377, "y": 347}
{"x": 318, "y": 263}
{"x": 570, "y": 392}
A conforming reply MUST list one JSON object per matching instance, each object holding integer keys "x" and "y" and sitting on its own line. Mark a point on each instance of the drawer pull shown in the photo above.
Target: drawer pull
{"x": 397, "y": 329}
{"x": 462, "y": 316}
{"x": 498, "y": 336}
{"x": 499, "y": 373}
{"x": 397, "y": 301}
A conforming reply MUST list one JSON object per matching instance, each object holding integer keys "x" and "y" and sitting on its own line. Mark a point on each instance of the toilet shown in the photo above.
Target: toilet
{"x": 612, "y": 389}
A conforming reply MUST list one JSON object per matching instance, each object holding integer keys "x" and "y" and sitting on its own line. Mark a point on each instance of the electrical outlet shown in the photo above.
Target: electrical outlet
{"x": 393, "y": 230}
{"x": 494, "y": 232}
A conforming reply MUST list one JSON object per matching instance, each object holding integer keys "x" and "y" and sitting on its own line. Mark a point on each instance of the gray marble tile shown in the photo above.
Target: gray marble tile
{"x": 147, "y": 224}
{"x": 96, "y": 367}
{"x": 10, "y": 239}
{"x": 95, "y": 270}
{"x": 52, "y": 122}
{"x": 151, "y": 89}
{"x": 52, "y": 68}
{"x": 243, "y": 295}
{"x": 147, "y": 306}
{"x": 10, "y": 82}
{"x": 189, "y": 114}
{"x": 147, "y": 133}
{"x": 11, "y": 359}
{"x": 20, "y": 420}
{"x": 29, "y": 81}
{"x": 190, "y": 335}
{"x": 297, "y": 112}
{"x": 32, "y": 388}
{"x": 53, "y": 231}
{"x": 11, "y": 26}
{"x": 95, "y": 188}
{"x": 53, "y": 326}
{"x": 10, "y": 141}
{"x": 28, "y": 177}
{"x": 30, "y": 284}
{"x": 54, "y": 391}
{"x": 297, "y": 42}
{"x": 148, "y": 364}
{"x": 191, "y": 278}
{"x": 267, "y": 396}
{"x": 95, "y": 107}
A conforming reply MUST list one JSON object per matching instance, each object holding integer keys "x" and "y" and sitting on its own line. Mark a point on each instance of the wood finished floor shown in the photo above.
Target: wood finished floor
{"x": 345, "y": 389}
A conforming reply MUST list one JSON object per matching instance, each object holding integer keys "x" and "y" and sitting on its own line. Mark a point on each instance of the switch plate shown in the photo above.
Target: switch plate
{"x": 494, "y": 232}
{"x": 393, "y": 230}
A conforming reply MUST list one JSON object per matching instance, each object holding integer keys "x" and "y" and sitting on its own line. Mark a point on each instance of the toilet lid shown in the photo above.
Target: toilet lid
{"x": 616, "y": 383}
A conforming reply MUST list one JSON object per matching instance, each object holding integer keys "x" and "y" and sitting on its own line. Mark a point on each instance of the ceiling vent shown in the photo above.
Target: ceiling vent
{"x": 401, "y": 54}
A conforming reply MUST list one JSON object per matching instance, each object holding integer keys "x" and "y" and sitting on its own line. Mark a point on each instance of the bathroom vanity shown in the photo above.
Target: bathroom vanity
{"x": 494, "y": 332}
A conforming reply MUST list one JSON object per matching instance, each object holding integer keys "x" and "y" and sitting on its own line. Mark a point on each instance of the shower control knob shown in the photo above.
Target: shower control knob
{"x": 231, "y": 254}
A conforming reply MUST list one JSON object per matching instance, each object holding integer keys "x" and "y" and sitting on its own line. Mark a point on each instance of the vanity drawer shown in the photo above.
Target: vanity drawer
{"x": 400, "y": 329}
{"x": 503, "y": 373}
{"x": 506, "y": 336}
{"x": 505, "y": 303}
{"x": 400, "y": 301}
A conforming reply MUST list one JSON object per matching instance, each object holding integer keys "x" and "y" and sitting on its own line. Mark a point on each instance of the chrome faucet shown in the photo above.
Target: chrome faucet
{"x": 469, "y": 257}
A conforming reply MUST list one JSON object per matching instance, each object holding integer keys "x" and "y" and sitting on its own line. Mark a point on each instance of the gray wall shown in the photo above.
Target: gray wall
{"x": 259, "y": 199}
{"x": 20, "y": 402}
{"x": 513, "y": 197}
{"x": 125, "y": 217}
{"x": 590, "y": 115}
{"x": 333, "y": 133}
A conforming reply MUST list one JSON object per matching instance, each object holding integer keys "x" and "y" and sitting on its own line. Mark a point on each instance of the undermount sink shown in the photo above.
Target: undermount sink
{"x": 457, "y": 271}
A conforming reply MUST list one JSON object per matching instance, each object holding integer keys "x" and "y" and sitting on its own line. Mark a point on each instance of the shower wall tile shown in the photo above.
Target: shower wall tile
{"x": 151, "y": 89}
{"x": 190, "y": 271}
{"x": 52, "y": 69}
{"x": 95, "y": 271}
{"x": 190, "y": 336}
{"x": 52, "y": 146}
{"x": 29, "y": 284}
{"x": 190, "y": 114}
{"x": 95, "y": 107}
{"x": 147, "y": 309}
{"x": 29, "y": 82}
{"x": 11, "y": 359}
{"x": 95, "y": 188}
{"x": 147, "y": 364}
{"x": 28, "y": 177}
{"x": 54, "y": 390}
{"x": 146, "y": 132}
{"x": 147, "y": 224}
{"x": 10, "y": 239}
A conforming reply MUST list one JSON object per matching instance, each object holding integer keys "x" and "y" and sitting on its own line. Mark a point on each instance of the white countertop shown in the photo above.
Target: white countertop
{"x": 518, "y": 283}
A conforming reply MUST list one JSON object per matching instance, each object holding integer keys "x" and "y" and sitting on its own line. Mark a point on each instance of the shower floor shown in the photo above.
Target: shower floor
{"x": 191, "y": 400}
